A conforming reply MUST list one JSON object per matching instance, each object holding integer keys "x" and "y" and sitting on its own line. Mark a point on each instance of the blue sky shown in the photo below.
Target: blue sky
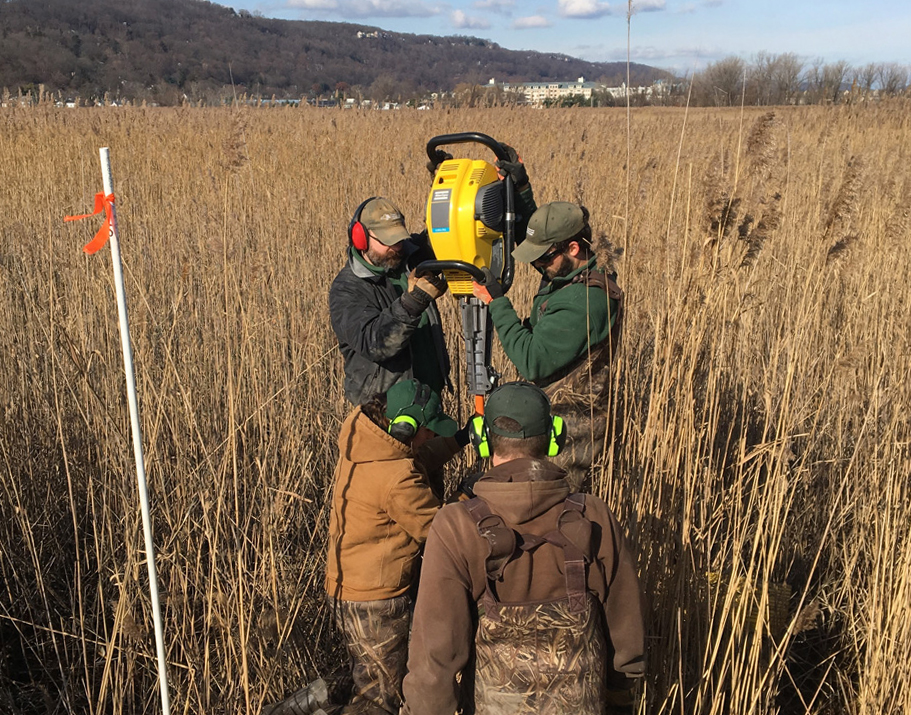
{"x": 678, "y": 35}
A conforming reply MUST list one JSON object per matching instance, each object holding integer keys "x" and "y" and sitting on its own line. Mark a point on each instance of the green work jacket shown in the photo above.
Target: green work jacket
{"x": 568, "y": 317}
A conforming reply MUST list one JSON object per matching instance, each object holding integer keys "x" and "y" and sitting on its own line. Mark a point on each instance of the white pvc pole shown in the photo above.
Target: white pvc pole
{"x": 137, "y": 432}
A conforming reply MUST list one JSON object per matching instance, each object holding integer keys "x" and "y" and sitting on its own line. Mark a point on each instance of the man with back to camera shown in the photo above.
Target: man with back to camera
{"x": 567, "y": 343}
{"x": 386, "y": 321}
{"x": 534, "y": 579}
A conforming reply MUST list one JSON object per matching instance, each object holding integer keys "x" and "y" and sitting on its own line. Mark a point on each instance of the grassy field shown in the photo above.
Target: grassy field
{"x": 761, "y": 452}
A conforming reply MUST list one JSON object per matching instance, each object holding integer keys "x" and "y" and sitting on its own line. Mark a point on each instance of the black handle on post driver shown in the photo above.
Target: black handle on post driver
{"x": 425, "y": 267}
{"x": 509, "y": 237}
{"x": 509, "y": 234}
{"x": 466, "y": 138}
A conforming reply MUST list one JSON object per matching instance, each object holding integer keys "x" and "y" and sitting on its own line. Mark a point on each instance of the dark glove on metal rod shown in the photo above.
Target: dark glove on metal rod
{"x": 463, "y": 436}
{"x": 489, "y": 290}
{"x": 439, "y": 156}
{"x": 514, "y": 167}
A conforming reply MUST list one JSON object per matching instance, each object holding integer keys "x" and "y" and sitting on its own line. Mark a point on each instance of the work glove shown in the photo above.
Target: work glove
{"x": 465, "y": 490}
{"x": 422, "y": 291}
{"x": 463, "y": 436}
{"x": 430, "y": 283}
{"x": 439, "y": 156}
{"x": 489, "y": 290}
{"x": 514, "y": 167}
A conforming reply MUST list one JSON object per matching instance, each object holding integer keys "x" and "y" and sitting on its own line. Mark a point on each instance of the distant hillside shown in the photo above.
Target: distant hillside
{"x": 164, "y": 49}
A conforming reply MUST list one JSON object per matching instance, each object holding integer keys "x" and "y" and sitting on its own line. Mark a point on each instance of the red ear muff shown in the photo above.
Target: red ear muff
{"x": 358, "y": 236}
{"x": 357, "y": 232}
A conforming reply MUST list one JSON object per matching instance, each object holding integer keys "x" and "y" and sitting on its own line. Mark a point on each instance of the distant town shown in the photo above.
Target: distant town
{"x": 534, "y": 94}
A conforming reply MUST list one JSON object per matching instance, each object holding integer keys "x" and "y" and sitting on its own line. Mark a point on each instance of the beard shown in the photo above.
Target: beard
{"x": 559, "y": 269}
{"x": 390, "y": 260}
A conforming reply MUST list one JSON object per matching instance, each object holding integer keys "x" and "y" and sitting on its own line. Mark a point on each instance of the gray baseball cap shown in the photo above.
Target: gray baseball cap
{"x": 550, "y": 224}
{"x": 387, "y": 223}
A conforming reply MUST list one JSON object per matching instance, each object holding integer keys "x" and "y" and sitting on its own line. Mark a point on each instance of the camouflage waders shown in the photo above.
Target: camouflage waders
{"x": 542, "y": 658}
{"x": 581, "y": 393}
{"x": 376, "y": 637}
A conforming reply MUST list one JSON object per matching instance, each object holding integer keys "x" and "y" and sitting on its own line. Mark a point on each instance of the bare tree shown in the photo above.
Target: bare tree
{"x": 383, "y": 88}
{"x": 813, "y": 78}
{"x": 893, "y": 79}
{"x": 786, "y": 75}
{"x": 866, "y": 78}
{"x": 834, "y": 74}
{"x": 825, "y": 80}
{"x": 721, "y": 83}
{"x": 760, "y": 79}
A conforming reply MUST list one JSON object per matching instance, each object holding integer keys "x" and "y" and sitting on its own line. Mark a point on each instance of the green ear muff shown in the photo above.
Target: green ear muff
{"x": 403, "y": 427}
{"x": 408, "y": 419}
{"x": 557, "y": 437}
{"x": 478, "y": 435}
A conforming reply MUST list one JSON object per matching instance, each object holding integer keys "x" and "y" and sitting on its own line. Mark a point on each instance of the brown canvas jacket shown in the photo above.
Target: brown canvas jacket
{"x": 529, "y": 495}
{"x": 382, "y": 506}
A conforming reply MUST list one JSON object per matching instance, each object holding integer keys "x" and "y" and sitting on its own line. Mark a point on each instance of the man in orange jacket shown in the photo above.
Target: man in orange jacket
{"x": 382, "y": 506}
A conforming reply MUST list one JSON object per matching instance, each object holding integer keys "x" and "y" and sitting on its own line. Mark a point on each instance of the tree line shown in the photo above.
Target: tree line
{"x": 770, "y": 79}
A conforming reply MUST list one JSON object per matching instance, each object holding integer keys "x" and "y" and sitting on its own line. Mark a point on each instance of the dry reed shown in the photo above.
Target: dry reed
{"x": 760, "y": 451}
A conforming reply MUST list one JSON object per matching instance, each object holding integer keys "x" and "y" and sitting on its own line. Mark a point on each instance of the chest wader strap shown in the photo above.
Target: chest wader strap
{"x": 572, "y": 520}
{"x": 572, "y": 529}
{"x": 501, "y": 545}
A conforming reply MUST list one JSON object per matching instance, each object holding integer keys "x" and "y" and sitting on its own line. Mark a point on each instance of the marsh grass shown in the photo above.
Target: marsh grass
{"x": 760, "y": 452}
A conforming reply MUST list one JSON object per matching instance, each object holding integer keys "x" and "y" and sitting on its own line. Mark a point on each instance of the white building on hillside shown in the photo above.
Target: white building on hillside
{"x": 538, "y": 93}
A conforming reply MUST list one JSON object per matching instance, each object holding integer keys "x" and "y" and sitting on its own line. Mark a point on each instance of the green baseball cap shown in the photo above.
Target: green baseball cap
{"x": 387, "y": 223}
{"x": 551, "y": 223}
{"x": 523, "y": 402}
{"x": 419, "y": 405}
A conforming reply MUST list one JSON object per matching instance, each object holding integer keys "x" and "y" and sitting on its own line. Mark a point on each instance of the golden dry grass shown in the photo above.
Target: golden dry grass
{"x": 761, "y": 438}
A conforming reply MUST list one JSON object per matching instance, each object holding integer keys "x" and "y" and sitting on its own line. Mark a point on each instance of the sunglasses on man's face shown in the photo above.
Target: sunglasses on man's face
{"x": 548, "y": 257}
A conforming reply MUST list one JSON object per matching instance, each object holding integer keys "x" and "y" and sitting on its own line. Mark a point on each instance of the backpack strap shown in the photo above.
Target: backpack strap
{"x": 572, "y": 535}
{"x": 574, "y": 528}
{"x": 501, "y": 545}
{"x": 501, "y": 540}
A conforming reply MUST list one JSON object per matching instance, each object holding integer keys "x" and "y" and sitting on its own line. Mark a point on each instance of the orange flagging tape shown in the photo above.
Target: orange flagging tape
{"x": 102, "y": 203}
{"x": 479, "y": 404}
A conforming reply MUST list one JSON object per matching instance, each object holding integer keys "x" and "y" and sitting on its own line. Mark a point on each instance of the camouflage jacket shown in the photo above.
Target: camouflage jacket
{"x": 529, "y": 495}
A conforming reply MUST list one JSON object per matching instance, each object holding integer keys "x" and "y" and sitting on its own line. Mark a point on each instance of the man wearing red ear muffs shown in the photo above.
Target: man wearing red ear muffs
{"x": 386, "y": 320}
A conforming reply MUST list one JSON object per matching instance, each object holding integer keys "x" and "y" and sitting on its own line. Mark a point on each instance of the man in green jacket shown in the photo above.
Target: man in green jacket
{"x": 567, "y": 343}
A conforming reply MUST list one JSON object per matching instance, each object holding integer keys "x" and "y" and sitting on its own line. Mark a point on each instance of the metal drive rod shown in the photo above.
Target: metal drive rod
{"x": 477, "y": 331}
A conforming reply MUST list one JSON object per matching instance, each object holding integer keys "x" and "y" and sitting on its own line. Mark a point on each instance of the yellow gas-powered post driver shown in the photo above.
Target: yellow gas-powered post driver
{"x": 471, "y": 225}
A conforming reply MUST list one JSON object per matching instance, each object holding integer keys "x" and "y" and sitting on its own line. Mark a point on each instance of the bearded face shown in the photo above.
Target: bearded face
{"x": 560, "y": 267}
{"x": 382, "y": 256}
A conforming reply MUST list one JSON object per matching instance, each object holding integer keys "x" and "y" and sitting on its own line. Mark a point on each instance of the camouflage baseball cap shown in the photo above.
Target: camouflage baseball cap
{"x": 550, "y": 224}
{"x": 420, "y": 406}
{"x": 520, "y": 401}
{"x": 386, "y": 222}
